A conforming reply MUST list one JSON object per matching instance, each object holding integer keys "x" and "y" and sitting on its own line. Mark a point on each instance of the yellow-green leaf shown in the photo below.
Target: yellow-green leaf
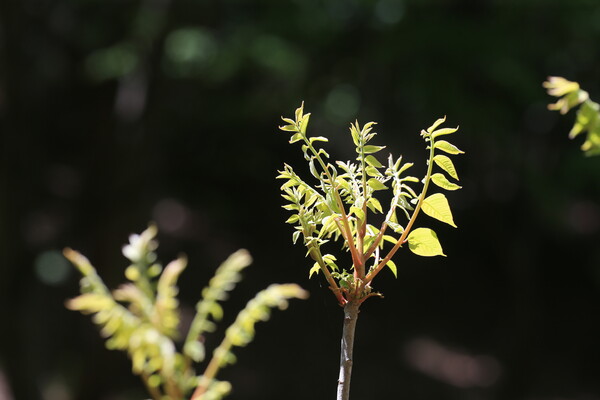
{"x": 447, "y": 147}
{"x": 294, "y": 218}
{"x": 376, "y": 185}
{"x": 315, "y": 269}
{"x": 358, "y": 212}
{"x": 443, "y": 182}
{"x": 374, "y": 205}
{"x": 392, "y": 266}
{"x": 370, "y": 149}
{"x": 445, "y": 163}
{"x": 436, "y": 124}
{"x": 304, "y": 123}
{"x": 443, "y": 131}
{"x": 436, "y": 206}
{"x": 424, "y": 242}
{"x": 372, "y": 161}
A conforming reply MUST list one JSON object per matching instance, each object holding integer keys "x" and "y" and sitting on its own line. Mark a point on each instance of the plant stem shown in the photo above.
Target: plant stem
{"x": 315, "y": 254}
{"x": 334, "y": 191}
{"x": 351, "y": 311}
{"x": 211, "y": 370}
{"x": 412, "y": 220}
{"x": 153, "y": 390}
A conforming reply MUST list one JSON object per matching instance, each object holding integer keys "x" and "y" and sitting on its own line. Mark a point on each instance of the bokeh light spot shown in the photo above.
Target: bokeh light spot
{"x": 389, "y": 11}
{"x": 170, "y": 215}
{"x": 188, "y": 50}
{"x": 51, "y": 267}
{"x": 342, "y": 103}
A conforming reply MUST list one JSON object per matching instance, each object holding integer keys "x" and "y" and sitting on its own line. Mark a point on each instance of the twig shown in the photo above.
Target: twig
{"x": 351, "y": 311}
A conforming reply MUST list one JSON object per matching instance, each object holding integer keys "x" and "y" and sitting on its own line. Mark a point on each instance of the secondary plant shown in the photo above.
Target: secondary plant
{"x": 340, "y": 201}
{"x": 142, "y": 318}
{"x": 588, "y": 115}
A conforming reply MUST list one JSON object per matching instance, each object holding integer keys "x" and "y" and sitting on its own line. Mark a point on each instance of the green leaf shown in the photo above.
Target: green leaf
{"x": 436, "y": 206}
{"x": 370, "y": 149}
{"x": 299, "y": 112}
{"x": 318, "y": 139}
{"x": 313, "y": 169}
{"x": 424, "y": 242}
{"x": 295, "y": 236}
{"x": 372, "y": 171}
{"x": 445, "y": 163}
{"x": 391, "y": 239}
{"x": 354, "y": 132}
{"x": 404, "y": 167}
{"x": 436, "y": 124}
{"x": 374, "y": 205}
{"x": 304, "y": 123}
{"x": 329, "y": 260}
{"x": 443, "y": 131}
{"x": 289, "y": 128}
{"x": 392, "y": 266}
{"x": 443, "y": 182}
{"x": 591, "y": 146}
{"x": 358, "y": 212}
{"x": 376, "y": 185}
{"x": 296, "y": 138}
{"x": 293, "y": 219}
{"x": 447, "y": 147}
{"x": 372, "y": 161}
{"x": 315, "y": 269}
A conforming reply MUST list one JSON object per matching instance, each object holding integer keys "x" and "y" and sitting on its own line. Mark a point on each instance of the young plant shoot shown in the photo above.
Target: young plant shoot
{"x": 142, "y": 318}
{"x": 570, "y": 95}
{"x": 337, "y": 204}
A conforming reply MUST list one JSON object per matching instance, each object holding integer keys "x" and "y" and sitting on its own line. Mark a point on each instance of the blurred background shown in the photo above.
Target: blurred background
{"x": 117, "y": 113}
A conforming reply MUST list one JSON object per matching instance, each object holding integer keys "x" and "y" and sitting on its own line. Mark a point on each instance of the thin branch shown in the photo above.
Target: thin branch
{"x": 351, "y": 311}
{"x": 332, "y": 284}
{"x": 412, "y": 220}
{"x": 348, "y": 236}
{"x": 376, "y": 241}
{"x": 153, "y": 390}
{"x": 211, "y": 370}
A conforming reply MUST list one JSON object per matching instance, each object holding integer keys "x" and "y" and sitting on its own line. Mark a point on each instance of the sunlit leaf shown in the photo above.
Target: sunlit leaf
{"x": 372, "y": 161}
{"x": 370, "y": 149}
{"x": 304, "y": 123}
{"x": 376, "y": 185}
{"x": 392, "y": 266}
{"x": 436, "y": 206}
{"x": 296, "y": 137}
{"x": 318, "y": 139}
{"x": 374, "y": 205}
{"x": 313, "y": 169}
{"x": 288, "y": 128}
{"x": 443, "y": 182}
{"x": 358, "y": 212}
{"x": 447, "y": 147}
{"x": 436, "y": 124}
{"x": 424, "y": 242}
{"x": 314, "y": 270}
{"x": 445, "y": 163}
{"x": 372, "y": 171}
{"x": 443, "y": 131}
{"x": 293, "y": 219}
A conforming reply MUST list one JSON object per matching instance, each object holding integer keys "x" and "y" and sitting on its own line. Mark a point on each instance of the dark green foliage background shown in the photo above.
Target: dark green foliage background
{"x": 521, "y": 282}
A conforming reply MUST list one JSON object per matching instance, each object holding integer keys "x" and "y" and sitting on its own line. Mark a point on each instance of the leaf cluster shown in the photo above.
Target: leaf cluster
{"x": 337, "y": 203}
{"x": 587, "y": 119}
{"x": 142, "y": 318}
